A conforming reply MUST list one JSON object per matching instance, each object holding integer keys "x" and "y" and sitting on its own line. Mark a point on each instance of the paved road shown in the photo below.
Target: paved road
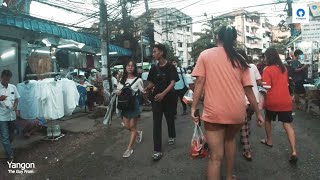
{"x": 99, "y": 155}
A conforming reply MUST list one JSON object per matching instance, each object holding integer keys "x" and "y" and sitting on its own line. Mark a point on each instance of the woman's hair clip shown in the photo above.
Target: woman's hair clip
{"x": 229, "y": 27}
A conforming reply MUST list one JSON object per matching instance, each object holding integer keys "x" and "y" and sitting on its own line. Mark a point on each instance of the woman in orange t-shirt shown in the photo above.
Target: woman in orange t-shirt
{"x": 225, "y": 78}
{"x": 278, "y": 102}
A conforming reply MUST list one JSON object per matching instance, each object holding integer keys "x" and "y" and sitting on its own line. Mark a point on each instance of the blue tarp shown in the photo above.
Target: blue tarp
{"x": 44, "y": 26}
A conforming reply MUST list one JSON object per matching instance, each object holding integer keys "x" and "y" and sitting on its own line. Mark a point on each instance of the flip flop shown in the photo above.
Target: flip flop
{"x": 264, "y": 141}
{"x": 293, "y": 159}
{"x": 244, "y": 154}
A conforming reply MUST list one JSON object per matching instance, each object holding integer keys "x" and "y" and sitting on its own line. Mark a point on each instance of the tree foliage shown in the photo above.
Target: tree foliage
{"x": 280, "y": 46}
{"x": 170, "y": 53}
{"x": 206, "y": 39}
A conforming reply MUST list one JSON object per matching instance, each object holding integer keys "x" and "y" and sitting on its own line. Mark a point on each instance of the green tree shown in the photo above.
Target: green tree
{"x": 203, "y": 43}
{"x": 170, "y": 53}
{"x": 280, "y": 46}
{"x": 206, "y": 39}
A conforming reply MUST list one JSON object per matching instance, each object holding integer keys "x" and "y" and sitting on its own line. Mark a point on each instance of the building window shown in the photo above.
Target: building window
{"x": 179, "y": 44}
{"x": 263, "y": 25}
{"x": 180, "y": 53}
{"x": 247, "y": 29}
{"x": 264, "y": 45}
{"x": 188, "y": 29}
{"x": 189, "y": 44}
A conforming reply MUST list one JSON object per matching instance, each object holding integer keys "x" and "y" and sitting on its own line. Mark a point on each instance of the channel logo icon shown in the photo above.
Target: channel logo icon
{"x": 300, "y": 13}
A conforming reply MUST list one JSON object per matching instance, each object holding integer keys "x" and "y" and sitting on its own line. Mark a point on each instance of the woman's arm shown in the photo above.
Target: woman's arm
{"x": 198, "y": 90}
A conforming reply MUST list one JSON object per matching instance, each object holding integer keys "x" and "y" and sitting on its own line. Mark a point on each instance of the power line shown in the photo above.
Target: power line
{"x": 223, "y": 12}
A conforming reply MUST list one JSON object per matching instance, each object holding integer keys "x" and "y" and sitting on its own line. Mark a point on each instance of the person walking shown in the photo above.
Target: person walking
{"x": 9, "y": 96}
{"x": 278, "y": 101}
{"x": 162, "y": 78}
{"x": 181, "y": 87}
{"x": 298, "y": 76}
{"x": 130, "y": 117}
{"x": 246, "y": 129}
{"x": 224, "y": 75}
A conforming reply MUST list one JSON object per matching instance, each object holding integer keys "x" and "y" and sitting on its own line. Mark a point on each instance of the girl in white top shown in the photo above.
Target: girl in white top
{"x": 130, "y": 117}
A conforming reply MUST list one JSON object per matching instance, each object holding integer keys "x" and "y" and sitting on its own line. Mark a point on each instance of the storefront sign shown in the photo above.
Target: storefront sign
{"x": 311, "y": 31}
{"x": 315, "y": 9}
{"x": 300, "y": 13}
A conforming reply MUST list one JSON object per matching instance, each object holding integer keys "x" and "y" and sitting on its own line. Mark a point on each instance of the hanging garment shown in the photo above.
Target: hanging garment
{"x": 71, "y": 96}
{"x": 51, "y": 100}
{"x": 83, "y": 95}
{"x": 29, "y": 100}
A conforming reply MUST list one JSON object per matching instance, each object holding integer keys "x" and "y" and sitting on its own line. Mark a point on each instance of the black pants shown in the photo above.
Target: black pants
{"x": 166, "y": 107}
{"x": 179, "y": 95}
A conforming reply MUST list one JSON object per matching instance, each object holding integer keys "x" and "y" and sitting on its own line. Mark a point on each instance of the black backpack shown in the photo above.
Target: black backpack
{"x": 126, "y": 100}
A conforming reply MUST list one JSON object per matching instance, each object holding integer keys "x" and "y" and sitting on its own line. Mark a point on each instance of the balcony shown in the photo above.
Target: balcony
{"x": 254, "y": 45}
{"x": 253, "y": 35}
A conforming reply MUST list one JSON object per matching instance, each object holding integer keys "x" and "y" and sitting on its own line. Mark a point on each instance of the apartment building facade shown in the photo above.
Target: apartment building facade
{"x": 174, "y": 28}
{"x": 254, "y": 31}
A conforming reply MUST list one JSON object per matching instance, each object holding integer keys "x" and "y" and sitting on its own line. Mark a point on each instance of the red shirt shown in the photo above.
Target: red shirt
{"x": 278, "y": 97}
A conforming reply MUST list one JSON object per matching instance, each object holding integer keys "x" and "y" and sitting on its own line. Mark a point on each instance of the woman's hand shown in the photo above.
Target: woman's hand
{"x": 194, "y": 119}
{"x": 118, "y": 92}
{"x": 260, "y": 119}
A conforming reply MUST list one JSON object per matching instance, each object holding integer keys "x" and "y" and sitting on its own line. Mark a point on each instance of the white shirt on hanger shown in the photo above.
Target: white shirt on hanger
{"x": 51, "y": 99}
{"x": 70, "y": 96}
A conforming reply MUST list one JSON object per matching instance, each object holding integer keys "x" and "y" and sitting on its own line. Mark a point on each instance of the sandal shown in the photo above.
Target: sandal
{"x": 246, "y": 157}
{"x": 293, "y": 159}
{"x": 264, "y": 141}
{"x": 157, "y": 156}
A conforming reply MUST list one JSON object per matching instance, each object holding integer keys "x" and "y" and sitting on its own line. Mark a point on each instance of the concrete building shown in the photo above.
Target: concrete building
{"x": 173, "y": 27}
{"x": 254, "y": 31}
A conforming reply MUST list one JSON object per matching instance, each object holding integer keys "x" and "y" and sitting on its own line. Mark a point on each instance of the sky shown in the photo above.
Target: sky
{"x": 194, "y": 8}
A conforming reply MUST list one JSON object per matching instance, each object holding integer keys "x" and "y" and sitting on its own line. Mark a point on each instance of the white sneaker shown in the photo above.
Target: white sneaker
{"x": 127, "y": 153}
{"x": 171, "y": 141}
{"x": 139, "y": 137}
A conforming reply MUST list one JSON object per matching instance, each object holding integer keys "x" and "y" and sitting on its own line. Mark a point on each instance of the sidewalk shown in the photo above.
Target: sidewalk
{"x": 79, "y": 122}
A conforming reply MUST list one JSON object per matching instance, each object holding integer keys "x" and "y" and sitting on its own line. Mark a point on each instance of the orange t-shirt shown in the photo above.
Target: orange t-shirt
{"x": 278, "y": 96}
{"x": 224, "y": 101}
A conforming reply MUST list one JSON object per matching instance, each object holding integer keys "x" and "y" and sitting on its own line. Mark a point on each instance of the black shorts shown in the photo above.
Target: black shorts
{"x": 299, "y": 88}
{"x": 284, "y": 116}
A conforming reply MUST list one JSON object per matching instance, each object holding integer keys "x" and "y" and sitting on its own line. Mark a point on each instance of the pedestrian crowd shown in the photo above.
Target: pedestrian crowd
{"x": 228, "y": 82}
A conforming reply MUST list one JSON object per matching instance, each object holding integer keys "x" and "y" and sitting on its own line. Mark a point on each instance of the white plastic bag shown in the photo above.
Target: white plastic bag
{"x": 199, "y": 147}
{"x": 261, "y": 101}
{"x": 188, "y": 97}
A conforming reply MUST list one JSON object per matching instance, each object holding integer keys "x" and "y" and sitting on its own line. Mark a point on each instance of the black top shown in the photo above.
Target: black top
{"x": 162, "y": 76}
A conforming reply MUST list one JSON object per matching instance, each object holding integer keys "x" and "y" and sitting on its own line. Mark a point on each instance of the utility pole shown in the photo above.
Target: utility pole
{"x": 142, "y": 52}
{"x": 147, "y": 10}
{"x": 104, "y": 36}
{"x": 212, "y": 28}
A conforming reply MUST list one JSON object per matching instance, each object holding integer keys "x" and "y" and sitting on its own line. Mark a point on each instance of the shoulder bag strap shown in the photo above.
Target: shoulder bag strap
{"x": 133, "y": 82}
{"x": 184, "y": 83}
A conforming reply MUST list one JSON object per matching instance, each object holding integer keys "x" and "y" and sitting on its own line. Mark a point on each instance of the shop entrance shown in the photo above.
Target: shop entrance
{"x": 9, "y": 58}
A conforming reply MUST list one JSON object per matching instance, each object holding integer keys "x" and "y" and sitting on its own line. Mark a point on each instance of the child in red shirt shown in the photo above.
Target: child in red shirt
{"x": 278, "y": 101}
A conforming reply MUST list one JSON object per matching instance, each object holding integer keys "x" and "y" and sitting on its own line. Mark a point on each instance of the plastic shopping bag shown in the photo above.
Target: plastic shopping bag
{"x": 188, "y": 97}
{"x": 261, "y": 101}
{"x": 199, "y": 147}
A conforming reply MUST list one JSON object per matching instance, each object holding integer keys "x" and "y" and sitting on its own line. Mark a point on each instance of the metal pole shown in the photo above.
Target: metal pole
{"x": 212, "y": 28}
{"x": 147, "y": 10}
{"x": 105, "y": 71}
{"x": 142, "y": 52}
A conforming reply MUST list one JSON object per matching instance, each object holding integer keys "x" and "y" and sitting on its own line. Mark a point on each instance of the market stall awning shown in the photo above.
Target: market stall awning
{"x": 51, "y": 28}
